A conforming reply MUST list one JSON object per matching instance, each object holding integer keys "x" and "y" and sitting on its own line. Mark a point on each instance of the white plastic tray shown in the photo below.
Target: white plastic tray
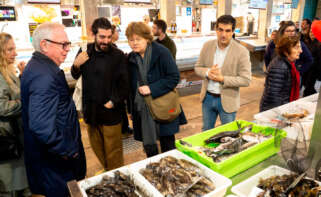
{"x": 312, "y": 98}
{"x": 266, "y": 118}
{"x": 90, "y": 182}
{"x": 269, "y": 115}
{"x": 248, "y": 187}
{"x": 221, "y": 183}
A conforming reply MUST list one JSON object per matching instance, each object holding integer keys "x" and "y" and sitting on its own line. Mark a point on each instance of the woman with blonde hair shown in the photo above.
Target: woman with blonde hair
{"x": 13, "y": 180}
{"x": 153, "y": 71}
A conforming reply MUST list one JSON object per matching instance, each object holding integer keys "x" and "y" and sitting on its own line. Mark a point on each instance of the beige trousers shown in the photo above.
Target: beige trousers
{"x": 106, "y": 142}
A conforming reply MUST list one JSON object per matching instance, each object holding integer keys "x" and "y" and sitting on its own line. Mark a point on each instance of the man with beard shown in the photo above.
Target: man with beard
{"x": 159, "y": 29}
{"x": 103, "y": 68}
{"x": 305, "y": 30}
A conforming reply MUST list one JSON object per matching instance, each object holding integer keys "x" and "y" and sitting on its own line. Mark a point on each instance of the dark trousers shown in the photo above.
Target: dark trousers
{"x": 124, "y": 119}
{"x": 308, "y": 80}
{"x": 166, "y": 143}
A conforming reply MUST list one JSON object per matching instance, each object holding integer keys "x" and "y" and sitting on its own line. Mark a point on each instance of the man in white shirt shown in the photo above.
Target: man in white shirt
{"x": 225, "y": 66}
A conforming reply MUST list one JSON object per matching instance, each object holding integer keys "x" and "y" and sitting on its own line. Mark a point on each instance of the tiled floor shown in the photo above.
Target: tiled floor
{"x": 250, "y": 99}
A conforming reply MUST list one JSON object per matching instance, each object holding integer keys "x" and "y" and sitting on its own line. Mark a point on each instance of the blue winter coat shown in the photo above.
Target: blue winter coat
{"x": 51, "y": 129}
{"x": 162, "y": 77}
{"x": 303, "y": 63}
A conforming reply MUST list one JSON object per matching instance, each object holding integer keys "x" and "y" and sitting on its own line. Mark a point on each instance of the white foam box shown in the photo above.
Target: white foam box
{"x": 221, "y": 182}
{"x": 311, "y": 98}
{"x": 92, "y": 181}
{"x": 268, "y": 118}
{"x": 274, "y": 114}
{"x": 248, "y": 188}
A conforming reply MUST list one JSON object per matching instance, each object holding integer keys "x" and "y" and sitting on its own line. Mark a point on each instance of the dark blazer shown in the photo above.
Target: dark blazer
{"x": 277, "y": 89}
{"x": 162, "y": 77}
{"x": 51, "y": 129}
{"x": 303, "y": 63}
{"x": 104, "y": 78}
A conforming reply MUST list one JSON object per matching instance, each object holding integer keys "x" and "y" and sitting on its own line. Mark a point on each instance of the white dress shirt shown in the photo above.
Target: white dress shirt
{"x": 219, "y": 57}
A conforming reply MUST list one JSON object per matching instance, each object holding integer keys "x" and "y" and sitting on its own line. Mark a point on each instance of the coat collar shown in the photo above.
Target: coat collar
{"x": 51, "y": 63}
{"x": 156, "y": 52}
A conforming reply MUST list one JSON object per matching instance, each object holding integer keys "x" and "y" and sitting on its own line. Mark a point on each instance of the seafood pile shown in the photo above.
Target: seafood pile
{"x": 277, "y": 186}
{"x": 177, "y": 177}
{"x": 298, "y": 115}
{"x": 230, "y": 142}
{"x": 120, "y": 185}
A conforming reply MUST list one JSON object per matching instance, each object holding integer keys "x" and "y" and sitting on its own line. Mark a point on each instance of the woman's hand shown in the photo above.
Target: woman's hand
{"x": 109, "y": 105}
{"x": 144, "y": 90}
{"x": 21, "y": 67}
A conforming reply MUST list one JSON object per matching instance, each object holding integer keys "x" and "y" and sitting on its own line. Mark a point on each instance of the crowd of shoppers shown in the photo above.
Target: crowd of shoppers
{"x": 42, "y": 116}
{"x": 288, "y": 30}
{"x": 286, "y": 72}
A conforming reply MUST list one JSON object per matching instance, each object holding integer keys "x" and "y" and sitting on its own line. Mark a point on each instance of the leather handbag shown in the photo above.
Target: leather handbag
{"x": 165, "y": 108}
{"x": 10, "y": 145}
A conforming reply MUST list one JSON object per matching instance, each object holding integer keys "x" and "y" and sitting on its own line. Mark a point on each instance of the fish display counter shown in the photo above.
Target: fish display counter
{"x": 294, "y": 117}
{"x": 169, "y": 174}
{"x": 237, "y": 159}
{"x": 301, "y": 159}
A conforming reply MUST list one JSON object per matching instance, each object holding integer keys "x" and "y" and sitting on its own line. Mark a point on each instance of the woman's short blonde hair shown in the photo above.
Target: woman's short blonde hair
{"x": 140, "y": 29}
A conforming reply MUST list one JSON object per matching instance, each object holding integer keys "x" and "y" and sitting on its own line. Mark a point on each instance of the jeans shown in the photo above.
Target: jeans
{"x": 212, "y": 107}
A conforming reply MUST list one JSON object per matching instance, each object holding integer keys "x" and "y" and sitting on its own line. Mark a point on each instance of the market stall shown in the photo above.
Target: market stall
{"x": 271, "y": 156}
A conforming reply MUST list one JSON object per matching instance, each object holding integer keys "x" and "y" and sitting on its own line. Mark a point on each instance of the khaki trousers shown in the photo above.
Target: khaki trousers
{"x": 106, "y": 142}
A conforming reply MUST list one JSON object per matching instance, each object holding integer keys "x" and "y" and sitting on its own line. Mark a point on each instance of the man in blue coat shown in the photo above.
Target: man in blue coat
{"x": 54, "y": 152}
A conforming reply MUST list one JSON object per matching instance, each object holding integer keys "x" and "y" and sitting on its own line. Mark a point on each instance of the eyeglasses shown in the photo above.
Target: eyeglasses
{"x": 290, "y": 31}
{"x": 65, "y": 45}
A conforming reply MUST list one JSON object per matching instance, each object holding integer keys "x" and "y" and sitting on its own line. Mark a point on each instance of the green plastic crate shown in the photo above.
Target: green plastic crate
{"x": 238, "y": 162}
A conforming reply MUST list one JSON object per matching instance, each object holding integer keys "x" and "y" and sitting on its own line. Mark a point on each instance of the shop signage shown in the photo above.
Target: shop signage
{"x": 7, "y": 13}
{"x": 32, "y": 27}
{"x": 188, "y": 11}
{"x": 258, "y": 4}
{"x": 137, "y": 1}
{"x": 295, "y": 4}
{"x": 44, "y": 1}
{"x": 206, "y": 2}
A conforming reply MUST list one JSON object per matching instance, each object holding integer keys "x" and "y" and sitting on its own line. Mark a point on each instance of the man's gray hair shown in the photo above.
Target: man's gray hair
{"x": 44, "y": 31}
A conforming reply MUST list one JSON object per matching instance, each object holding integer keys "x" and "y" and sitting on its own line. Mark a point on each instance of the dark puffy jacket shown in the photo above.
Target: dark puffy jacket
{"x": 277, "y": 88}
{"x": 302, "y": 64}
